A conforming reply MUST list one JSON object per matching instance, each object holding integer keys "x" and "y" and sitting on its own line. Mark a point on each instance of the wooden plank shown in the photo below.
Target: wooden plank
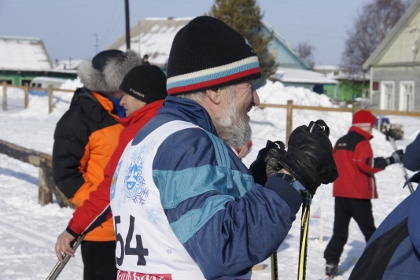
{"x": 20, "y": 153}
{"x": 44, "y": 161}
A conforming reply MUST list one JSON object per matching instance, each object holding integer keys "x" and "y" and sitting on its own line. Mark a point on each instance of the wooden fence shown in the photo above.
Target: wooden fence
{"x": 354, "y": 108}
{"x": 26, "y": 89}
{"x": 44, "y": 161}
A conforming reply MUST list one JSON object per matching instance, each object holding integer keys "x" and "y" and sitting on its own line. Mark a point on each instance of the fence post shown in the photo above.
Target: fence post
{"x": 26, "y": 93}
{"x": 47, "y": 186}
{"x": 44, "y": 192}
{"x": 289, "y": 120}
{"x": 355, "y": 107}
{"x": 4, "y": 96}
{"x": 50, "y": 100}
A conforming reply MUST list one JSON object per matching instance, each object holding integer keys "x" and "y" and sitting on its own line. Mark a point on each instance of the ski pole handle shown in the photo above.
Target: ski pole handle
{"x": 319, "y": 125}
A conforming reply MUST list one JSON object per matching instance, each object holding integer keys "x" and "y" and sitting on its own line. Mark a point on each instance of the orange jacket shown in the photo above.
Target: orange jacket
{"x": 99, "y": 199}
{"x": 84, "y": 140}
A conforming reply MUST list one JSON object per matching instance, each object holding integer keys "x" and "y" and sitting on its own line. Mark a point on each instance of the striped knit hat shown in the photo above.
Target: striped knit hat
{"x": 207, "y": 53}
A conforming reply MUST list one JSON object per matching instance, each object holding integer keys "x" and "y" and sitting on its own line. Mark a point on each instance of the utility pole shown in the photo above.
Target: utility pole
{"x": 127, "y": 25}
{"x": 96, "y": 44}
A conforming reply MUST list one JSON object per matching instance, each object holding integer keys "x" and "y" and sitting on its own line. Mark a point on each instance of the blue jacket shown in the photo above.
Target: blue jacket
{"x": 246, "y": 222}
{"x": 411, "y": 159}
{"x": 393, "y": 252}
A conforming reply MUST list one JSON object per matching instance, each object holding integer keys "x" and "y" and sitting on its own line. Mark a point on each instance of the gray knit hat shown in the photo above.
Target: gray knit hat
{"x": 107, "y": 69}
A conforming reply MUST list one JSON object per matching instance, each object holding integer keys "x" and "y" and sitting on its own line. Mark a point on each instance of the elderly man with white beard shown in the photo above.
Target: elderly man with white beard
{"x": 184, "y": 205}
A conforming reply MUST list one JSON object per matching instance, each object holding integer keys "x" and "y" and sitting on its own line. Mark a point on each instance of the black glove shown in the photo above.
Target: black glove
{"x": 396, "y": 157}
{"x": 267, "y": 162}
{"x": 309, "y": 156}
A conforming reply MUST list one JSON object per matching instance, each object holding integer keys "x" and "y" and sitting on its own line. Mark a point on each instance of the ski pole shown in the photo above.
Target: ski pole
{"x": 306, "y": 210}
{"x": 304, "y": 229}
{"x": 274, "y": 268}
{"x": 394, "y": 146}
{"x": 99, "y": 219}
{"x": 60, "y": 265}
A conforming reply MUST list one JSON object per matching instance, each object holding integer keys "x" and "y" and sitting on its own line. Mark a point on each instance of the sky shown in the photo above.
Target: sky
{"x": 28, "y": 231}
{"x": 78, "y": 29}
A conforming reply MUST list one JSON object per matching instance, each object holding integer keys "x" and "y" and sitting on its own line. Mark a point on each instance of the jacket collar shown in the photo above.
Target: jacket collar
{"x": 150, "y": 108}
{"x": 360, "y": 131}
{"x": 188, "y": 110}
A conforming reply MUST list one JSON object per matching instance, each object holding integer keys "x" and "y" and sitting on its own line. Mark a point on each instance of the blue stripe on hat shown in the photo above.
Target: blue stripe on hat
{"x": 213, "y": 73}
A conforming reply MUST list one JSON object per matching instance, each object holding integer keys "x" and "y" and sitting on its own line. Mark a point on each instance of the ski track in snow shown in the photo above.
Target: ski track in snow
{"x": 25, "y": 234}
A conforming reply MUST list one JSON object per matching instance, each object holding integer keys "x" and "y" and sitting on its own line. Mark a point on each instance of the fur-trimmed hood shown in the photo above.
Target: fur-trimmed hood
{"x": 107, "y": 79}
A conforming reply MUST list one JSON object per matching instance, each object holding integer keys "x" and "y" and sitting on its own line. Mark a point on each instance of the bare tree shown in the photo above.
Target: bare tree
{"x": 370, "y": 28}
{"x": 306, "y": 52}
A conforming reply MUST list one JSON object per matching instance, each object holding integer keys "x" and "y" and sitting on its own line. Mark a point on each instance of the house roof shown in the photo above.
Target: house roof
{"x": 393, "y": 35}
{"x": 23, "y": 54}
{"x": 153, "y": 36}
{"x": 68, "y": 65}
{"x": 343, "y": 75}
{"x": 292, "y": 53}
{"x": 290, "y": 75}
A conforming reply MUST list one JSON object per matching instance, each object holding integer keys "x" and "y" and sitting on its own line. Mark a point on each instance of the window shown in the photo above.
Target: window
{"x": 387, "y": 95}
{"x": 24, "y": 82}
{"x": 406, "y": 96}
{"x": 9, "y": 82}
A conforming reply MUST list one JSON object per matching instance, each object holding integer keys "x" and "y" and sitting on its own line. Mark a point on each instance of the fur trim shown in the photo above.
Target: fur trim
{"x": 109, "y": 80}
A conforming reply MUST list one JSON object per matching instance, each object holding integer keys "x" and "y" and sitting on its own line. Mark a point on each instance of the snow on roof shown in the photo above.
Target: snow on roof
{"x": 342, "y": 75}
{"x": 153, "y": 36}
{"x": 23, "y": 53}
{"x": 289, "y": 75}
{"x": 67, "y": 65}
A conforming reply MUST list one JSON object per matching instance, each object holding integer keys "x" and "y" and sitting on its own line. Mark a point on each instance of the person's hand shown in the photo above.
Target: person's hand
{"x": 267, "y": 162}
{"x": 396, "y": 157}
{"x": 309, "y": 156}
{"x": 63, "y": 245}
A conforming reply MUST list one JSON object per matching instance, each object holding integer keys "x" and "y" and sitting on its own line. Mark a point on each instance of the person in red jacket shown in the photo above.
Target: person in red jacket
{"x": 84, "y": 139}
{"x": 355, "y": 185}
{"x": 144, "y": 89}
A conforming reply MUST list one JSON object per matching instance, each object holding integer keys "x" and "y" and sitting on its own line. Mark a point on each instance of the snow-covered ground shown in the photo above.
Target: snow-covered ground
{"x": 28, "y": 231}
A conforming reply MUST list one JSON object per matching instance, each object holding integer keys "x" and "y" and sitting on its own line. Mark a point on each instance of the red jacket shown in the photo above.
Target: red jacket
{"x": 99, "y": 199}
{"x": 353, "y": 156}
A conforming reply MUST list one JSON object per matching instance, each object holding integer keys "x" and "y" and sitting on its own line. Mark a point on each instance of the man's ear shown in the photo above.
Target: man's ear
{"x": 214, "y": 95}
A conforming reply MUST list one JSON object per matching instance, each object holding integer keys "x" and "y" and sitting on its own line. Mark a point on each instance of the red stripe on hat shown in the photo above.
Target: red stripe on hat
{"x": 211, "y": 83}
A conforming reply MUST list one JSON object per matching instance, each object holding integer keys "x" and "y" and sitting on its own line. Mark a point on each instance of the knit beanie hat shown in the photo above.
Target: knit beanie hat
{"x": 364, "y": 118}
{"x": 145, "y": 82}
{"x": 207, "y": 53}
{"x": 107, "y": 69}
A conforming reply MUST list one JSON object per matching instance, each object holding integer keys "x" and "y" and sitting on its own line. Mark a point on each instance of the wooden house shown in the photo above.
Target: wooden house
{"x": 395, "y": 65}
{"x": 23, "y": 58}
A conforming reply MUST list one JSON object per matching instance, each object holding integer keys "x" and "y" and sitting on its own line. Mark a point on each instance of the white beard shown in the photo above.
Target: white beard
{"x": 233, "y": 127}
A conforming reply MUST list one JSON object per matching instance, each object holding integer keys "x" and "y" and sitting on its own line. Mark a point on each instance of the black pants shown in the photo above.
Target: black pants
{"x": 99, "y": 260}
{"x": 345, "y": 209}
